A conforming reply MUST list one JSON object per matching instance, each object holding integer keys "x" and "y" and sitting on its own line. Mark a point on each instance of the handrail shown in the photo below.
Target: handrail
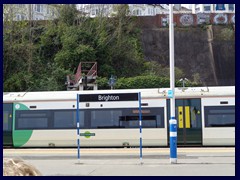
{"x": 93, "y": 70}
{"x": 82, "y": 71}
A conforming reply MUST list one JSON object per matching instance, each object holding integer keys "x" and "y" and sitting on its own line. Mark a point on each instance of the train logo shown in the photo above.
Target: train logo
{"x": 87, "y": 134}
{"x": 17, "y": 106}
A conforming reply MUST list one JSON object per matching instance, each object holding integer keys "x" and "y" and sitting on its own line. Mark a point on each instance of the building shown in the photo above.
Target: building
{"x": 94, "y": 10}
{"x": 147, "y": 9}
{"x": 213, "y": 8}
{"x": 20, "y": 12}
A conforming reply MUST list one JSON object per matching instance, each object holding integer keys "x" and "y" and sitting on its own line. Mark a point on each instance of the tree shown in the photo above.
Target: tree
{"x": 68, "y": 14}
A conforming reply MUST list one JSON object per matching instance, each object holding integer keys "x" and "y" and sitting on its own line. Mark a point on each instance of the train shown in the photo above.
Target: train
{"x": 110, "y": 118}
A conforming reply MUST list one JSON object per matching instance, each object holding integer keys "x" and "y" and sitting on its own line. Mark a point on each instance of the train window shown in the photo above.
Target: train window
{"x": 67, "y": 119}
{"x": 32, "y": 119}
{"x": 89, "y": 119}
{"x": 124, "y": 118}
{"x": 64, "y": 119}
{"x": 219, "y": 116}
{"x": 105, "y": 118}
{"x": 31, "y": 123}
{"x": 133, "y": 121}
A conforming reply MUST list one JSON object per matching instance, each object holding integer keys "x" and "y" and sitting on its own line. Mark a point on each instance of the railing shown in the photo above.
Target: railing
{"x": 84, "y": 69}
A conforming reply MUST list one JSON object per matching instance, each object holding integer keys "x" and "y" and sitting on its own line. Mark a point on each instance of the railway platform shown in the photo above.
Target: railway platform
{"x": 208, "y": 161}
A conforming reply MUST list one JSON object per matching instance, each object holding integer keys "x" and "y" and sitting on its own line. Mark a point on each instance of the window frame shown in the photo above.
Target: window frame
{"x": 207, "y": 113}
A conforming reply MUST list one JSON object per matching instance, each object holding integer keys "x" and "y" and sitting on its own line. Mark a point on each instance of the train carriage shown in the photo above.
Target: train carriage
{"x": 205, "y": 117}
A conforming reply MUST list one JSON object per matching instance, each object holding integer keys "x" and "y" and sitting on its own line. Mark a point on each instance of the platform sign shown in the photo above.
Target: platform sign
{"x": 170, "y": 93}
{"x": 108, "y": 97}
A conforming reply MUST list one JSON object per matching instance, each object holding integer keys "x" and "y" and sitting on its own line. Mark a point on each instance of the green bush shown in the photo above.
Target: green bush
{"x": 141, "y": 82}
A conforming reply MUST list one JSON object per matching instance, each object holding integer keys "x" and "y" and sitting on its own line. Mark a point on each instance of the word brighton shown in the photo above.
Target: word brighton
{"x": 108, "y": 98}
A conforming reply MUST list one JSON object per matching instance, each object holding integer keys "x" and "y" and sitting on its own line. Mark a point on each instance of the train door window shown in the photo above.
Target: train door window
{"x": 7, "y": 124}
{"x": 219, "y": 116}
{"x": 31, "y": 119}
{"x": 7, "y": 117}
{"x": 105, "y": 118}
{"x": 188, "y": 113}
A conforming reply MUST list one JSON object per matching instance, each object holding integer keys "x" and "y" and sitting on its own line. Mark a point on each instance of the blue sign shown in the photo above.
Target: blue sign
{"x": 170, "y": 93}
{"x": 112, "y": 81}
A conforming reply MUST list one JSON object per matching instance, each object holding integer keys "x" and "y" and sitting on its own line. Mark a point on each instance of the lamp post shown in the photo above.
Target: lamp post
{"x": 183, "y": 80}
{"x": 172, "y": 121}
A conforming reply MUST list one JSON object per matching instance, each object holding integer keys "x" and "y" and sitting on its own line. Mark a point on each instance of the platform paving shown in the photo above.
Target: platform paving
{"x": 126, "y": 161}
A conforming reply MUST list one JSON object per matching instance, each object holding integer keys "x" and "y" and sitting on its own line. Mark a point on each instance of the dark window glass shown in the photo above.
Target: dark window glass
{"x": 207, "y": 8}
{"x": 105, "y": 118}
{"x": 231, "y": 7}
{"x": 220, "y": 7}
{"x": 7, "y": 117}
{"x": 133, "y": 122}
{"x": 32, "y": 123}
{"x": 127, "y": 118}
{"x": 38, "y": 119}
{"x": 89, "y": 119}
{"x": 6, "y": 124}
{"x": 48, "y": 119}
{"x": 67, "y": 119}
{"x": 64, "y": 119}
{"x": 219, "y": 116}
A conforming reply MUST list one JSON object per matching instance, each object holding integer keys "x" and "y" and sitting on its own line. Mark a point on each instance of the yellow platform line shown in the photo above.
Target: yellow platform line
{"x": 113, "y": 151}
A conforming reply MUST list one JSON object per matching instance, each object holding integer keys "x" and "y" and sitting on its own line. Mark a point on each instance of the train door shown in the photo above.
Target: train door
{"x": 189, "y": 123}
{"x": 7, "y": 124}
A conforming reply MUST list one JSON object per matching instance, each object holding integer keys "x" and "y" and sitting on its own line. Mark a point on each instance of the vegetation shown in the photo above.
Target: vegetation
{"x": 141, "y": 82}
{"x": 38, "y": 55}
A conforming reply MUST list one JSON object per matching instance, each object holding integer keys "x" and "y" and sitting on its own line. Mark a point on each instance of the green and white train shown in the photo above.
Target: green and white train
{"x": 205, "y": 117}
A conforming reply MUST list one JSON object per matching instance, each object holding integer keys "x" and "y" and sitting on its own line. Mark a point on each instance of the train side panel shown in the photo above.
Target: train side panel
{"x": 218, "y": 121}
{"x": 48, "y": 119}
{"x": 98, "y": 138}
{"x": 103, "y": 137}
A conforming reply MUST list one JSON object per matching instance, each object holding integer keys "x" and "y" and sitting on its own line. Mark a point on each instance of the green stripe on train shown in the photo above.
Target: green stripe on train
{"x": 20, "y": 137}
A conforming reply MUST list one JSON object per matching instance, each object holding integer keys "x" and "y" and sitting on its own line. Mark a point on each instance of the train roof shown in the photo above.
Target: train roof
{"x": 180, "y": 92}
